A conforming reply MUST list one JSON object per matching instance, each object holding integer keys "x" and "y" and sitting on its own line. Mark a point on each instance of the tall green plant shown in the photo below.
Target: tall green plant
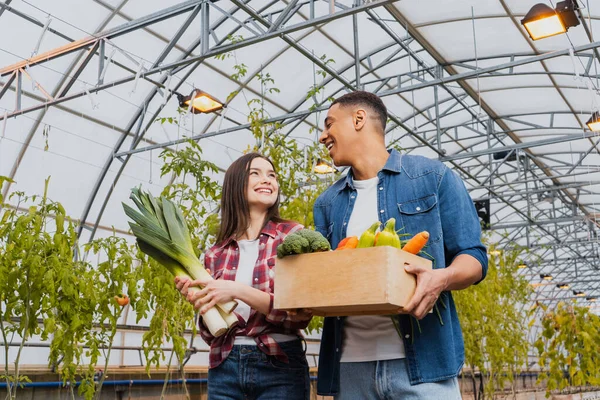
{"x": 111, "y": 277}
{"x": 494, "y": 322}
{"x": 40, "y": 282}
{"x": 569, "y": 347}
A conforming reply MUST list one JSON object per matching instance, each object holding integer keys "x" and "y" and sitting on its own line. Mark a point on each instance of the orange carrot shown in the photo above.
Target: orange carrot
{"x": 348, "y": 243}
{"x": 416, "y": 243}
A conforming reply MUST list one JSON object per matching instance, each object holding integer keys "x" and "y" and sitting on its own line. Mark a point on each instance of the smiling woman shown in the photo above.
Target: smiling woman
{"x": 267, "y": 343}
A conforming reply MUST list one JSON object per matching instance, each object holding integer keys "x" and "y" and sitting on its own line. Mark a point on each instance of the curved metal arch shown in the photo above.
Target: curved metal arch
{"x": 119, "y": 143}
{"x": 66, "y": 77}
{"x": 124, "y": 162}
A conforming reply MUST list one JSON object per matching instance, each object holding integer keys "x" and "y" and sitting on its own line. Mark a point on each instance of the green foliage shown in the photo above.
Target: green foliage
{"x": 316, "y": 91}
{"x": 569, "y": 347}
{"x": 493, "y": 320}
{"x": 195, "y": 190}
{"x": 171, "y": 316}
{"x": 40, "y": 281}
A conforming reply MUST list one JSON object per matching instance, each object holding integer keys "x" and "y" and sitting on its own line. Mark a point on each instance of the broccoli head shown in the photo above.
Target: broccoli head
{"x": 293, "y": 244}
{"x": 302, "y": 242}
{"x": 315, "y": 239}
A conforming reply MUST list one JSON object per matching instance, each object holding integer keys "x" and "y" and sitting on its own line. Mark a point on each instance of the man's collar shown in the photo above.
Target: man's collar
{"x": 393, "y": 164}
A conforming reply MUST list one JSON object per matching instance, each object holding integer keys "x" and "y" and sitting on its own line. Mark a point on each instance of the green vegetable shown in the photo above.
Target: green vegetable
{"x": 317, "y": 241}
{"x": 162, "y": 233}
{"x": 302, "y": 242}
{"x": 388, "y": 236}
{"x": 367, "y": 239}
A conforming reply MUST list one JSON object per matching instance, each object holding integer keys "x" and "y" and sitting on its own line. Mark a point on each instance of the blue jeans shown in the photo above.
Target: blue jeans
{"x": 388, "y": 380}
{"x": 250, "y": 374}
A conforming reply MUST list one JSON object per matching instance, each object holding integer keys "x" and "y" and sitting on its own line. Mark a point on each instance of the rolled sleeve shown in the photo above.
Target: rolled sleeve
{"x": 460, "y": 223}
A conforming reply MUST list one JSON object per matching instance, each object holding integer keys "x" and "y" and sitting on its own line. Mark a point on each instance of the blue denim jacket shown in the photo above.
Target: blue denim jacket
{"x": 421, "y": 194}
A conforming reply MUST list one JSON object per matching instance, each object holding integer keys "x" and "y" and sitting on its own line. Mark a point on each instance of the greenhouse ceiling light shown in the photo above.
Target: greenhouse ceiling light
{"x": 592, "y": 299}
{"x": 563, "y": 286}
{"x": 323, "y": 167}
{"x": 542, "y": 21}
{"x": 578, "y": 293}
{"x": 200, "y": 101}
{"x": 546, "y": 277}
{"x": 594, "y": 122}
{"x": 522, "y": 265}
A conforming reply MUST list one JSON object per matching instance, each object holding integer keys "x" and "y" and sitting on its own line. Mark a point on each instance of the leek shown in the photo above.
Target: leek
{"x": 162, "y": 233}
{"x": 230, "y": 319}
{"x": 214, "y": 319}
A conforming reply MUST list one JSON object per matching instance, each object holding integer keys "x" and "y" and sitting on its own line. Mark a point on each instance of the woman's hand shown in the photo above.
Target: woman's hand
{"x": 213, "y": 292}
{"x": 183, "y": 283}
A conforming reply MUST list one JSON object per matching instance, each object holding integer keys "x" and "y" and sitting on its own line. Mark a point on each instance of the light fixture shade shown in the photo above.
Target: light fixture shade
{"x": 322, "y": 167}
{"x": 594, "y": 122}
{"x": 542, "y": 21}
{"x": 578, "y": 293}
{"x": 546, "y": 277}
{"x": 522, "y": 265}
{"x": 201, "y": 102}
{"x": 592, "y": 299}
{"x": 563, "y": 286}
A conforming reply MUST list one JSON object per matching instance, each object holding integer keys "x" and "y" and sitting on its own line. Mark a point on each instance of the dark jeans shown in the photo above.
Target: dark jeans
{"x": 249, "y": 374}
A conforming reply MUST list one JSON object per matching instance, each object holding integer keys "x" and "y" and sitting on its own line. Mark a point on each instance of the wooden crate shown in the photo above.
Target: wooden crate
{"x": 346, "y": 282}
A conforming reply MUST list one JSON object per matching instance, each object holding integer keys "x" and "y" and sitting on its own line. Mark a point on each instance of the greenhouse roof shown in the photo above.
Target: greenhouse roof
{"x": 83, "y": 82}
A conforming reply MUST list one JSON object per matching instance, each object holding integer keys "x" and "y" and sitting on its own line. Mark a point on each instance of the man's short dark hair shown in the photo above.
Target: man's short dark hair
{"x": 365, "y": 99}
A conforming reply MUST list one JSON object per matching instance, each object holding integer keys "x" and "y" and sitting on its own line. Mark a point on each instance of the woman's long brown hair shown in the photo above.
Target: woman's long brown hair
{"x": 235, "y": 212}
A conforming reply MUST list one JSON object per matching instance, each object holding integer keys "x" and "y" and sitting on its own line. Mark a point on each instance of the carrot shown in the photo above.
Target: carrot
{"x": 416, "y": 243}
{"x": 348, "y": 243}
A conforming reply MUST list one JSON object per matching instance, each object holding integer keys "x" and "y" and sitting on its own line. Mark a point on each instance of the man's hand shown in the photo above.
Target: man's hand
{"x": 300, "y": 314}
{"x": 430, "y": 284}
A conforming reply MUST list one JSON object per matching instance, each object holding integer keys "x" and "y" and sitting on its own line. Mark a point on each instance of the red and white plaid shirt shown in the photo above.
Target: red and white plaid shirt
{"x": 222, "y": 260}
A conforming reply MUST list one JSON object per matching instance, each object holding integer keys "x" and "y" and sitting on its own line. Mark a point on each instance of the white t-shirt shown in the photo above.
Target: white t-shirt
{"x": 245, "y": 270}
{"x": 368, "y": 337}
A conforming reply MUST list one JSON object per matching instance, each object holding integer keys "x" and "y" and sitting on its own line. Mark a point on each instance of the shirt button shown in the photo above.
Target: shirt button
{"x": 407, "y": 336}
{"x": 380, "y": 187}
{"x": 352, "y": 196}
{"x": 337, "y": 350}
{"x": 344, "y": 223}
{"x": 255, "y": 279}
{"x": 381, "y": 211}
{"x": 233, "y": 268}
{"x": 338, "y": 318}
{"x": 418, "y": 208}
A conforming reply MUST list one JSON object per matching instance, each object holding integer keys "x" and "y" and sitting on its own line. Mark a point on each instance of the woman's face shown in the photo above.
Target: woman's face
{"x": 263, "y": 188}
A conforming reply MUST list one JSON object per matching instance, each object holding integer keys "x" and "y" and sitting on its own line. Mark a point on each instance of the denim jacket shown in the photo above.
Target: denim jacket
{"x": 422, "y": 194}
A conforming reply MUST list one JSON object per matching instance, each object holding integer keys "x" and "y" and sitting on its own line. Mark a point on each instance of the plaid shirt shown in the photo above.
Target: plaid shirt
{"x": 222, "y": 261}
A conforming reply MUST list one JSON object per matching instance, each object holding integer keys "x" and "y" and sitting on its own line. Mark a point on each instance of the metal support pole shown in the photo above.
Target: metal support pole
{"x": 490, "y": 129}
{"x": 205, "y": 22}
{"x": 356, "y": 50}
{"x": 18, "y": 89}
{"x": 438, "y": 74}
{"x": 101, "y": 55}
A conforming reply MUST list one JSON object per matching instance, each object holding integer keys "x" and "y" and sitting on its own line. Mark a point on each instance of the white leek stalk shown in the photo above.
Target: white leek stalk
{"x": 162, "y": 233}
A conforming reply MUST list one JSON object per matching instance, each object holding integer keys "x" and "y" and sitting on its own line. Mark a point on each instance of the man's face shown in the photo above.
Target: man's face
{"x": 339, "y": 135}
